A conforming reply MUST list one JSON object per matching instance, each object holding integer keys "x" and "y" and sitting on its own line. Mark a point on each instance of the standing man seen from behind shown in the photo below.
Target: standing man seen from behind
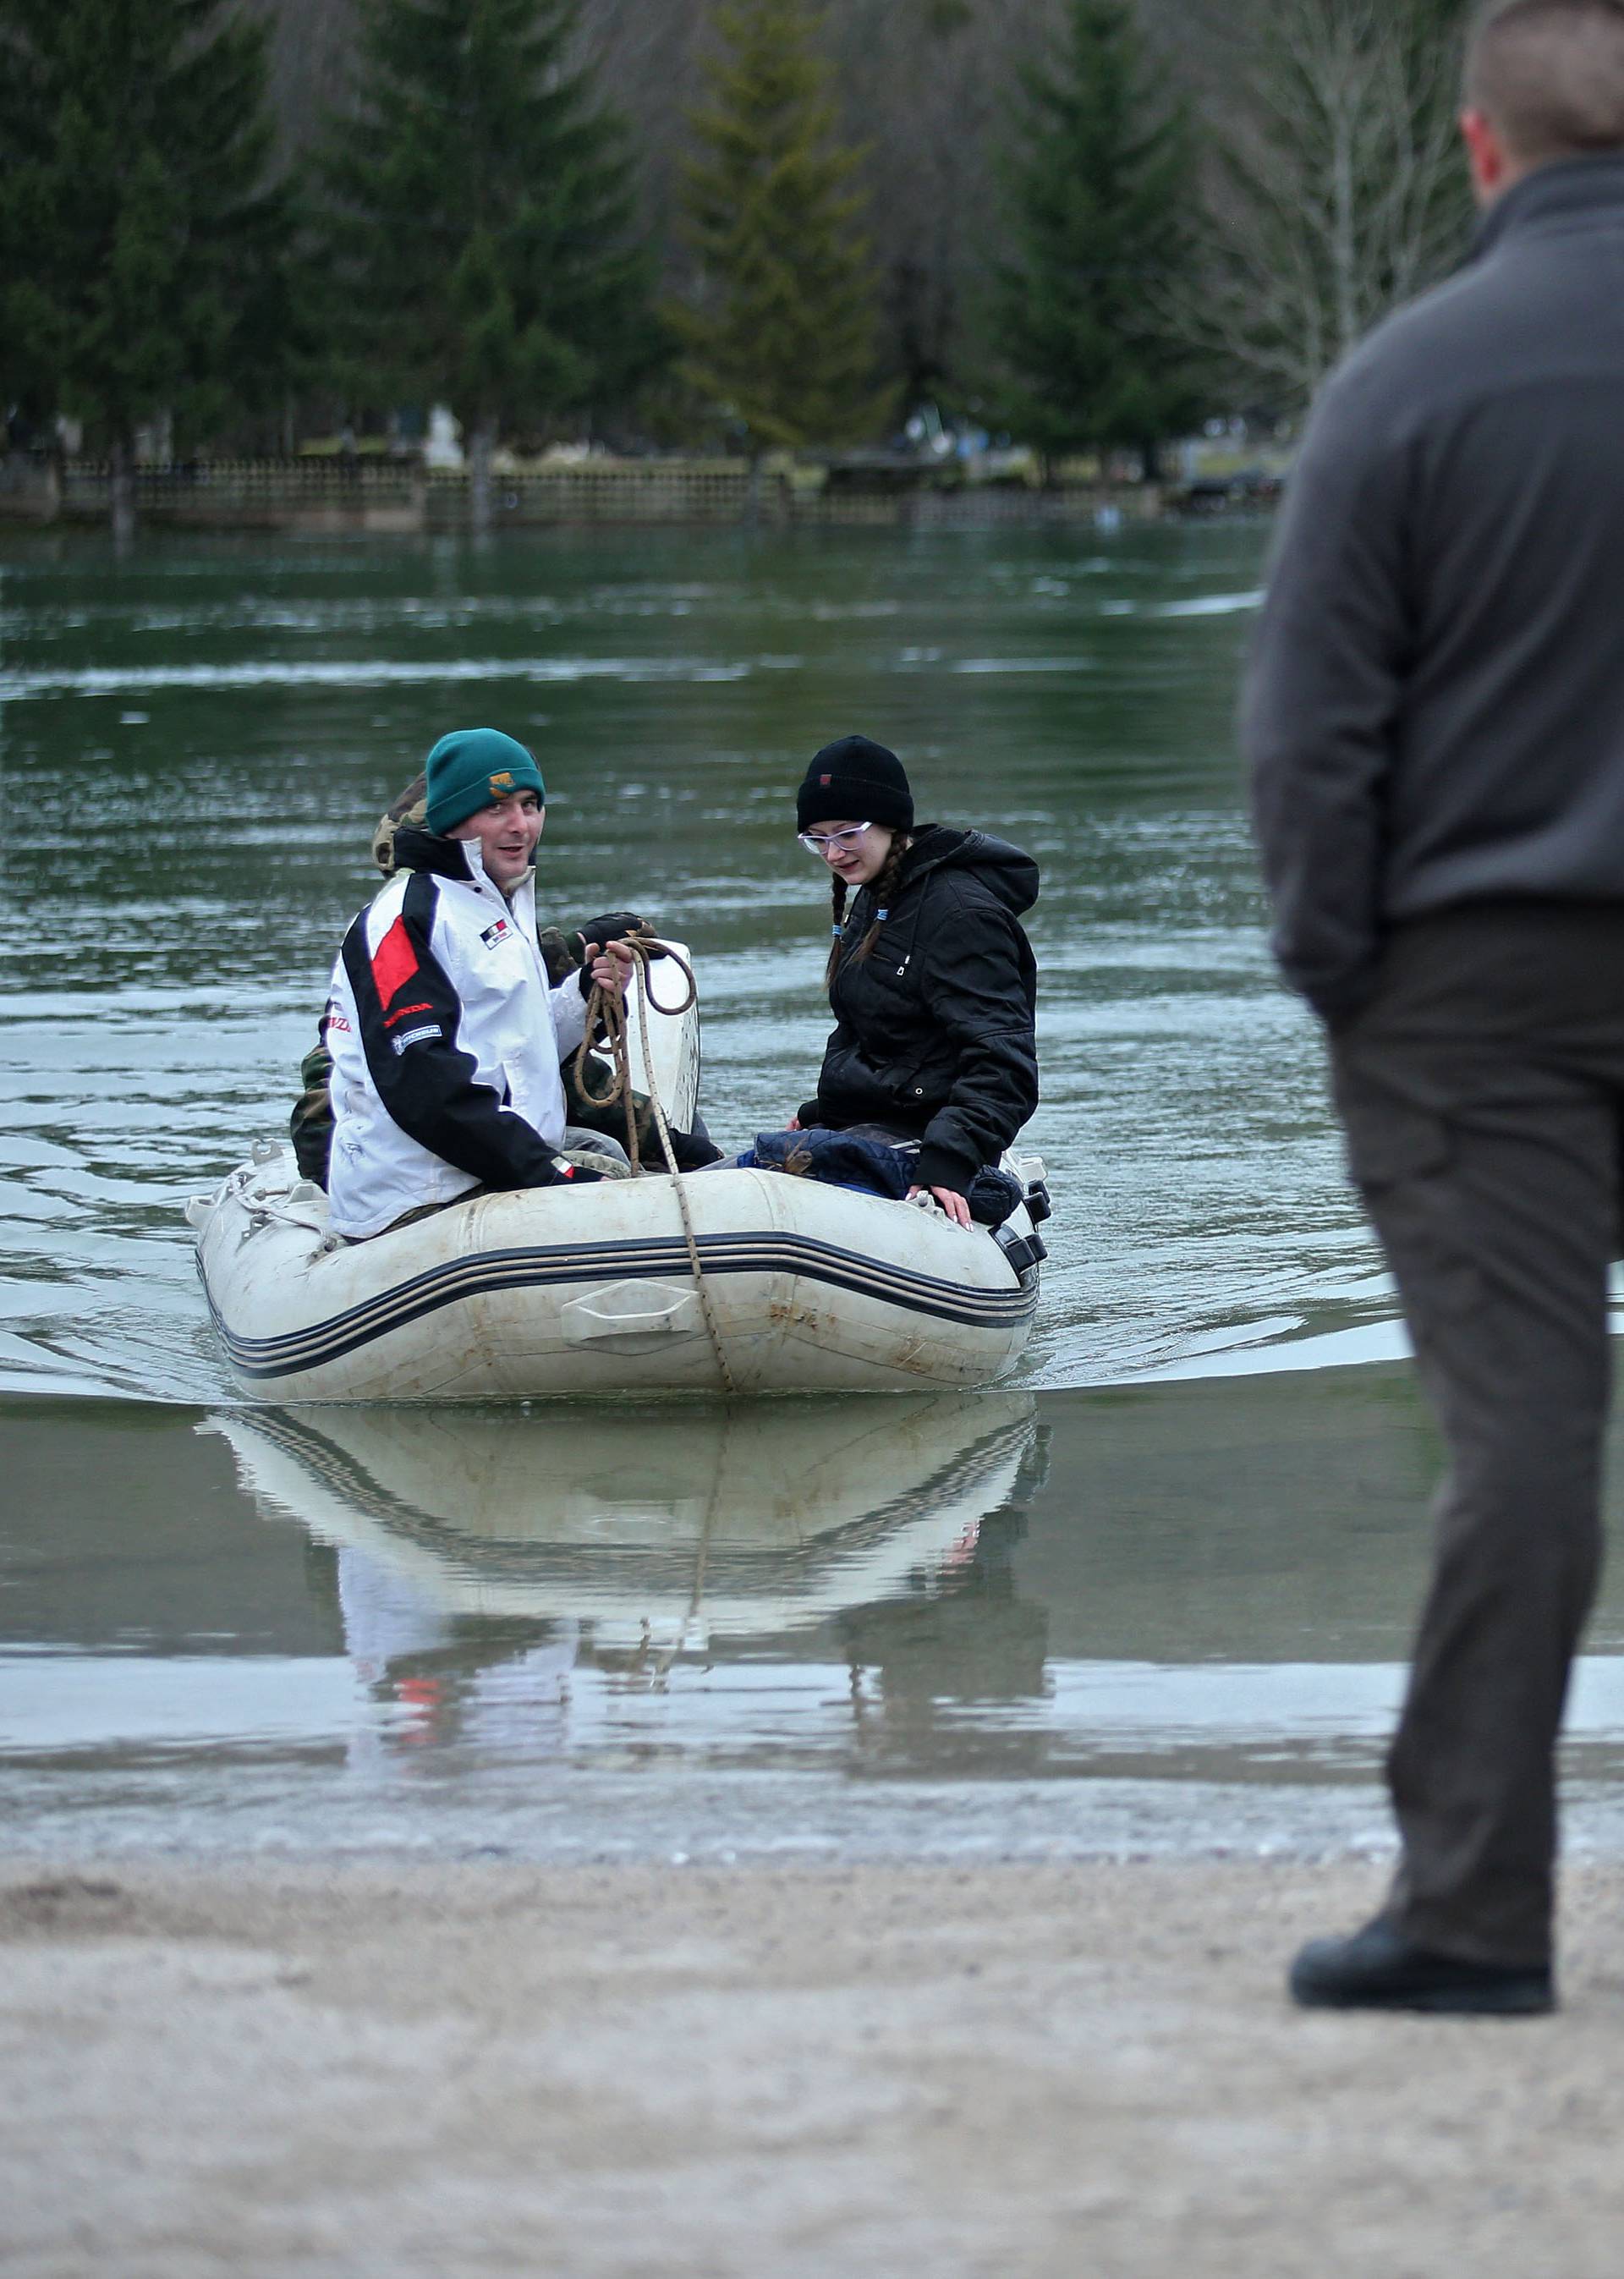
{"x": 1435, "y": 722}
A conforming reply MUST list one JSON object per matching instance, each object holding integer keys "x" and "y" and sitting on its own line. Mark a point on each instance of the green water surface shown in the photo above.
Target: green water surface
{"x": 193, "y": 749}
{"x": 1081, "y": 1613}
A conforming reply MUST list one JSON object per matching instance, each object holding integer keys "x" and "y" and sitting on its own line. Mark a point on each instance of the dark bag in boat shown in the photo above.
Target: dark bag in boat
{"x": 834, "y": 1158}
{"x": 839, "y": 1159}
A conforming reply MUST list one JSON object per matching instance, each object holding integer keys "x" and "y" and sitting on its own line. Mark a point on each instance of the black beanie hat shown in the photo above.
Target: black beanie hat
{"x": 854, "y": 780}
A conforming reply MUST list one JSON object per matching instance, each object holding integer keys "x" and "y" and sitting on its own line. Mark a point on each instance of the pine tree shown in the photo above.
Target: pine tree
{"x": 25, "y": 147}
{"x": 779, "y": 332}
{"x": 482, "y": 229}
{"x": 143, "y": 250}
{"x": 1100, "y": 201}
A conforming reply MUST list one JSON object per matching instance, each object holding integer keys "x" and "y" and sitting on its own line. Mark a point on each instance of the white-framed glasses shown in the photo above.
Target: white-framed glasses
{"x": 821, "y": 842}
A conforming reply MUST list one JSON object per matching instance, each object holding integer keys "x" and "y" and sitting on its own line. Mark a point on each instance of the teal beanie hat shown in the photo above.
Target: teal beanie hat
{"x": 473, "y": 768}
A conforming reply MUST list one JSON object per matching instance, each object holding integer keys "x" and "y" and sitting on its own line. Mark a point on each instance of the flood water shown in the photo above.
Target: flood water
{"x": 1168, "y": 1617}
{"x": 195, "y": 748}
{"x": 1155, "y": 1594}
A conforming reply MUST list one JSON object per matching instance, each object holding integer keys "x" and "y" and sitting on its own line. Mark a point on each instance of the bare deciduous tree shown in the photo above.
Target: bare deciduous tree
{"x": 1339, "y": 192}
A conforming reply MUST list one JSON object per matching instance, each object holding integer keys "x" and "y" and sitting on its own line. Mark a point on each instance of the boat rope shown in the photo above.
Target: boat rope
{"x": 606, "y": 1018}
{"x": 702, "y": 1551}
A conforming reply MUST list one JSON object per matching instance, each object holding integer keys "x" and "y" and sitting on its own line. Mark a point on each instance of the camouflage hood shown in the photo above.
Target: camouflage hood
{"x": 409, "y": 806}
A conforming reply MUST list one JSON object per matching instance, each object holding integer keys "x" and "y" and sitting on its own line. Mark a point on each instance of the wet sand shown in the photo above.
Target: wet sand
{"x": 289, "y": 2068}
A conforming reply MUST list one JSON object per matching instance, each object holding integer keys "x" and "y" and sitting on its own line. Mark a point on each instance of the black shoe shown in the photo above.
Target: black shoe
{"x": 1378, "y": 1969}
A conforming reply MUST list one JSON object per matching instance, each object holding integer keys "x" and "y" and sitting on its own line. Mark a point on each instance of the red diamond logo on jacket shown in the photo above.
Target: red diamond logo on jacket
{"x": 394, "y": 961}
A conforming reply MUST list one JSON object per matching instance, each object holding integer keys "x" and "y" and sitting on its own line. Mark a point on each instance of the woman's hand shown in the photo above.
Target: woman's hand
{"x": 955, "y": 1205}
{"x": 610, "y": 967}
{"x": 794, "y": 1124}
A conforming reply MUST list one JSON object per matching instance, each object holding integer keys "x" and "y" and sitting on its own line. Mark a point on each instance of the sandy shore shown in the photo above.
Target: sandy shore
{"x": 778, "y": 2074}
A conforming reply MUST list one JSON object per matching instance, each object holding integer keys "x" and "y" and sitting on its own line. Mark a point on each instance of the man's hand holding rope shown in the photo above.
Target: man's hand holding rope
{"x": 610, "y": 966}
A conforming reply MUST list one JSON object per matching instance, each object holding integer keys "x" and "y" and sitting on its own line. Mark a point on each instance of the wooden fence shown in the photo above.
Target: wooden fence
{"x": 400, "y": 494}
{"x": 365, "y": 493}
{"x": 601, "y": 491}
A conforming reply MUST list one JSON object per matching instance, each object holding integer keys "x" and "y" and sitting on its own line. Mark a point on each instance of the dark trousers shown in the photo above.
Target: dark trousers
{"x": 1482, "y": 1096}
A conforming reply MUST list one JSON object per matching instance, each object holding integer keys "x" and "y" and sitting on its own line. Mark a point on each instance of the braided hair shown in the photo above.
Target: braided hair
{"x": 884, "y": 886}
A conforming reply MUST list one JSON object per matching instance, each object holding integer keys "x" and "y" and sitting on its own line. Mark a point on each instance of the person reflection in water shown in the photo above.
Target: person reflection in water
{"x": 919, "y": 1661}
{"x": 444, "y": 1680}
{"x": 932, "y": 979}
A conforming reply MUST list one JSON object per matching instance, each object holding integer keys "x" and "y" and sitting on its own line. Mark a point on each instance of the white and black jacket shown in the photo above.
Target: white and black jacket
{"x": 446, "y": 1036}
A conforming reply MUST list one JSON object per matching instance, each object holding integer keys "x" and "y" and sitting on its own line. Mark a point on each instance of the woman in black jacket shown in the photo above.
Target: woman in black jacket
{"x": 931, "y": 980}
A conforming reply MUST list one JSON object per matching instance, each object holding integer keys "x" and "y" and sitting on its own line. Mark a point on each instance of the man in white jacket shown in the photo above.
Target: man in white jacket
{"x": 445, "y": 1031}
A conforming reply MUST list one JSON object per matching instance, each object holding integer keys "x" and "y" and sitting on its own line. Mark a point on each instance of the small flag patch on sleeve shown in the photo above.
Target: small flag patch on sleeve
{"x": 394, "y": 961}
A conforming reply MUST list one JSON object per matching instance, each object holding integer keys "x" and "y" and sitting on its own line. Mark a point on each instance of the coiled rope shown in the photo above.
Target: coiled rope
{"x": 606, "y": 1020}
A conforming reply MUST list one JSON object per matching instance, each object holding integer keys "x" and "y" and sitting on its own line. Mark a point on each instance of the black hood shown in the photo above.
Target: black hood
{"x": 933, "y": 1038}
{"x": 416, "y": 849}
{"x": 1003, "y": 870}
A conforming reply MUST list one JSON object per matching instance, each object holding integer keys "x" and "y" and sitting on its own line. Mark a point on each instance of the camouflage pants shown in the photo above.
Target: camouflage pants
{"x": 611, "y": 1121}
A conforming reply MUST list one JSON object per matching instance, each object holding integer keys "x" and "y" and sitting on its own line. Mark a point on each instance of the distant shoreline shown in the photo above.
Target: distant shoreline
{"x": 383, "y": 496}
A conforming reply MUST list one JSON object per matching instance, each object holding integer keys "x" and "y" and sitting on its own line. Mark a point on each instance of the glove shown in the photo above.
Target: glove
{"x": 614, "y": 925}
{"x": 574, "y": 1175}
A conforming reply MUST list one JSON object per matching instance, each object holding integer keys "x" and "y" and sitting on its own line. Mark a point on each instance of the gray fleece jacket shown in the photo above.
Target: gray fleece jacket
{"x": 1433, "y": 710}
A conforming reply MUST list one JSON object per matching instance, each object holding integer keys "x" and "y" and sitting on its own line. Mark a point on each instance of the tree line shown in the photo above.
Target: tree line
{"x": 771, "y": 224}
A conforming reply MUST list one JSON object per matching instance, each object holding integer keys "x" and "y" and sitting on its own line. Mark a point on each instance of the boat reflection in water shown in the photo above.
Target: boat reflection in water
{"x": 518, "y": 1580}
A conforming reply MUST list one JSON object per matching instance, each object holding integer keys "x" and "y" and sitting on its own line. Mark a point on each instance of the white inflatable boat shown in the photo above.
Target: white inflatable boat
{"x": 551, "y": 1293}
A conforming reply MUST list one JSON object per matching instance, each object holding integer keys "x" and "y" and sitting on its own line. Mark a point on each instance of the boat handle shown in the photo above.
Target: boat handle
{"x": 630, "y": 1309}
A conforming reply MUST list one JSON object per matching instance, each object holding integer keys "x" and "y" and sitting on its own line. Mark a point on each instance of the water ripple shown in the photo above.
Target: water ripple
{"x": 362, "y": 672}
